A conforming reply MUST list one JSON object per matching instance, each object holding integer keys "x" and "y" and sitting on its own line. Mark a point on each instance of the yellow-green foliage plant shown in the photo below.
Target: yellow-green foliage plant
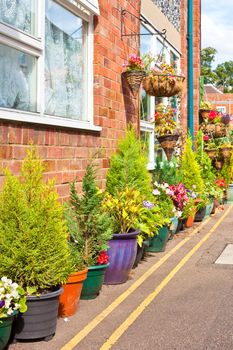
{"x": 190, "y": 169}
{"x": 33, "y": 237}
{"x": 128, "y": 167}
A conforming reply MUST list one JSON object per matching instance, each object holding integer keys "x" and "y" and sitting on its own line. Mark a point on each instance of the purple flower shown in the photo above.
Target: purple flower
{"x": 148, "y": 204}
{"x": 2, "y": 303}
{"x": 225, "y": 119}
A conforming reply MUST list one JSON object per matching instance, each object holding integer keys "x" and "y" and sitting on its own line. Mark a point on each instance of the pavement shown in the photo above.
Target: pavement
{"x": 175, "y": 300}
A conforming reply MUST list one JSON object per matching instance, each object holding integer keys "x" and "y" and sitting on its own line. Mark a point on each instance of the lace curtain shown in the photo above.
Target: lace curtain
{"x": 18, "y": 13}
{"x": 63, "y": 63}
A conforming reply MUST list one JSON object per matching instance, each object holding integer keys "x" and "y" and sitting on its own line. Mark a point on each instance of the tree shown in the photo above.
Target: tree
{"x": 224, "y": 76}
{"x": 207, "y": 59}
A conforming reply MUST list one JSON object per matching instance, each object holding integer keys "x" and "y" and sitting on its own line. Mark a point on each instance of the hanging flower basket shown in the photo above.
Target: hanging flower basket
{"x": 225, "y": 151}
{"x": 218, "y": 164}
{"x": 134, "y": 79}
{"x": 205, "y": 113}
{"x": 163, "y": 85}
{"x": 168, "y": 143}
{"x": 220, "y": 130}
{"x": 209, "y": 128}
{"x": 211, "y": 152}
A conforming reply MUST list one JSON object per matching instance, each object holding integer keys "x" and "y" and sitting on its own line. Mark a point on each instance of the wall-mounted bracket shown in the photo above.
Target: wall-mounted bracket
{"x": 142, "y": 20}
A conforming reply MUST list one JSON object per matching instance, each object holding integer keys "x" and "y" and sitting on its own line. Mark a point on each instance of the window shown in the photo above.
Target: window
{"x": 46, "y": 61}
{"x": 221, "y": 109}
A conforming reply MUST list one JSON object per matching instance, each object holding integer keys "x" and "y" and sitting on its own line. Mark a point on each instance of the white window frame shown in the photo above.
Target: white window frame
{"x": 147, "y": 126}
{"x": 221, "y": 109}
{"x": 34, "y": 45}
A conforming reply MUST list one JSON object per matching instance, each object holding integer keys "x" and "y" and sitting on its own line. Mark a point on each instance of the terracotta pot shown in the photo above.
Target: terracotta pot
{"x": 190, "y": 220}
{"x": 68, "y": 301}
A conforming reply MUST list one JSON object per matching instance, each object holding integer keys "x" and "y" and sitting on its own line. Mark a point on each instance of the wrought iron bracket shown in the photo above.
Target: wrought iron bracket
{"x": 142, "y": 20}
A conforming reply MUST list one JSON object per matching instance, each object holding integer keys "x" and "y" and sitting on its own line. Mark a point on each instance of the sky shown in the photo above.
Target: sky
{"x": 217, "y": 28}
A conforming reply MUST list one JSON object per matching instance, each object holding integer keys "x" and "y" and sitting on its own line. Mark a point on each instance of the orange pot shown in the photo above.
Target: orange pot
{"x": 68, "y": 301}
{"x": 190, "y": 220}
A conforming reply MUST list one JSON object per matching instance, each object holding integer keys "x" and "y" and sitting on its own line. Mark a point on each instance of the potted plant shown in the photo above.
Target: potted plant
{"x": 225, "y": 149}
{"x": 165, "y": 205}
{"x": 166, "y": 128}
{"x": 134, "y": 72}
{"x": 128, "y": 167}
{"x": 163, "y": 81}
{"x": 33, "y": 246}
{"x": 90, "y": 229}
{"x": 125, "y": 210}
{"x": 12, "y": 301}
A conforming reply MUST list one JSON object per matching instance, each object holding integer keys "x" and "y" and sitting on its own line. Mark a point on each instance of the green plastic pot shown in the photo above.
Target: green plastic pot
{"x": 5, "y": 330}
{"x": 93, "y": 284}
{"x": 158, "y": 242}
{"x": 230, "y": 194}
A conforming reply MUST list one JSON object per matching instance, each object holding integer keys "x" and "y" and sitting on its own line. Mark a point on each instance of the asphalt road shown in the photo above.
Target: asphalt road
{"x": 186, "y": 303}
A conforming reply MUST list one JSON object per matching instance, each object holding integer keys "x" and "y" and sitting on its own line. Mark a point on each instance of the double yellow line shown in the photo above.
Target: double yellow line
{"x": 136, "y": 313}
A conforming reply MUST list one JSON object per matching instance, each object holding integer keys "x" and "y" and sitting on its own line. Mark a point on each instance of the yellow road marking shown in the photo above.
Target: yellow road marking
{"x": 137, "y": 312}
{"x": 101, "y": 316}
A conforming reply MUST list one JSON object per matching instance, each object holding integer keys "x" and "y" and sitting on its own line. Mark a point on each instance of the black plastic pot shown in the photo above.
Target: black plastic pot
{"x": 200, "y": 214}
{"x": 40, "y": 319}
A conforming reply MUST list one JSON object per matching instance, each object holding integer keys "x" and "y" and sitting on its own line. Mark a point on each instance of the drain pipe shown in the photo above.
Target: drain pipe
{"x": 190, "y": 69}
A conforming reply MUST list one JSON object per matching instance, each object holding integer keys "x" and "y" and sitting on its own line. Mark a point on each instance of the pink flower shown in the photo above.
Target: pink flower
{"x": 205, "y": 138}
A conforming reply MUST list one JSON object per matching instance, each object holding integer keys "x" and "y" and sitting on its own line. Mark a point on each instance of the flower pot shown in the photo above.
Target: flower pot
{"x": 168, "y": 143}
{"x": 5, "y": 330}
{"x": 190, "y": 220}
{"x": 218, "y": 164}
{"x": 146, "y": 244}
{"x": 122, "y": 252}
{"x": 209, "y": 208}
{"x": 93, "y": 284}
{"x": 68, "y": 301}
{"x": 230, "y": 193}
{"x": 138, "y": 255}
{"x": 163, "y": 85}
{"x": 159, "y": 241}
{"x": 180, "y": 226}
{"x": 200, "y": 214}
{"x": 174, "y": 225}
{"x": 214, "y": 206}
{"x": 134, "y": 79}
{"x": 40, "y": 319}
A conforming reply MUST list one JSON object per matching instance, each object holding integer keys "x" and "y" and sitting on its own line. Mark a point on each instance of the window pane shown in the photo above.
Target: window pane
{"x": 65, "y": 60}
{"x": 19, "y": 13}
{"x": 18, "y": 79}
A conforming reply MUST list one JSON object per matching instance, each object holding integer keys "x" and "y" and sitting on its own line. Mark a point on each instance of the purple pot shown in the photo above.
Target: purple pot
{"x": 122, "y": 253}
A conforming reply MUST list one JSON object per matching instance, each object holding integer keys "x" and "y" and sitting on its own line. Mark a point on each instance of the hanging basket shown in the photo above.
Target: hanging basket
{"x": 220, "y": 131}
{"x": 204, "y": 113}
{"x": 225, "y": 151}
{"x": 163, "y": 85}
{"x": 211, "y": 152}
{"x": 209, "y": 128}
{"x": 218, "y": 164}
{"x": 168, "y": 143}
{"x": 134, "y": 79}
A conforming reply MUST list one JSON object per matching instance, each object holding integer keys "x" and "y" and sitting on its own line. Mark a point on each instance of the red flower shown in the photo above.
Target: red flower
{"x": 103, "y": 258}
{"x": 205, "y": 138}
{"x": 220, "y": 183}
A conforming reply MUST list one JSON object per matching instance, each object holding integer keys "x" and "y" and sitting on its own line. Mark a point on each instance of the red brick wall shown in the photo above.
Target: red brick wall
{"x": 221, "y": 97}
{"x": 66, "y": 151}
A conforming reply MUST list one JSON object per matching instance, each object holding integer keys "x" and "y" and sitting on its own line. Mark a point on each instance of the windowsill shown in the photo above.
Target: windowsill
{"x": 150, "y": 166}
{"x": 36, "y": 118}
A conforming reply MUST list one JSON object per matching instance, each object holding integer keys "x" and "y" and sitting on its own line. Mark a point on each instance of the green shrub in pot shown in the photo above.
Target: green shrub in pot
{"x": 33, "y": 238}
